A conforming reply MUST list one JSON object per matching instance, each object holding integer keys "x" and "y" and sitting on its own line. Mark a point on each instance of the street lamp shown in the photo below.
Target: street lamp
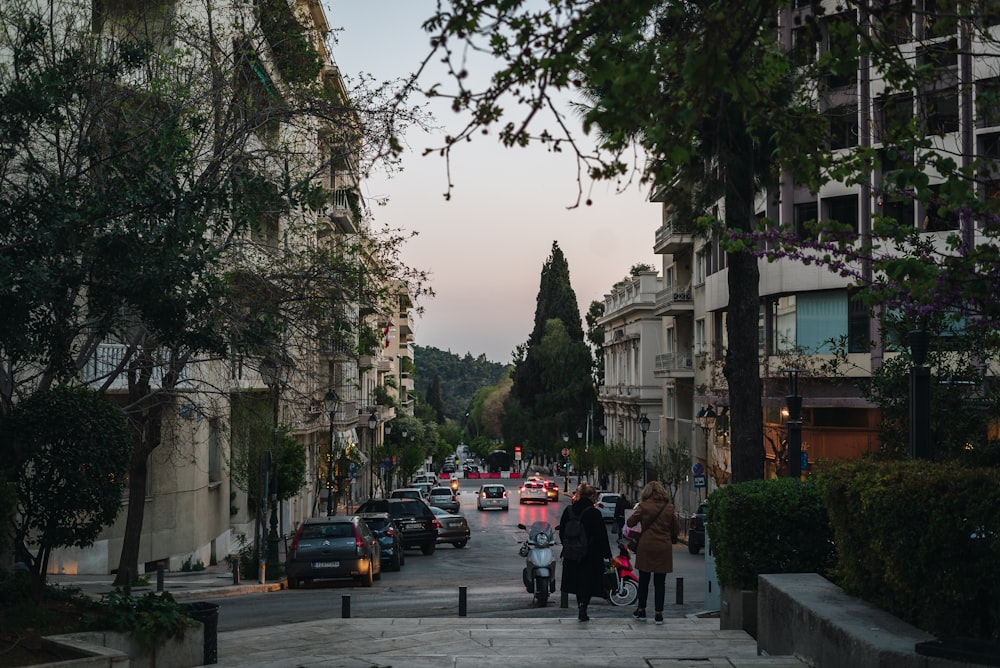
{"x": 270, "y": 373}
{"x": 372, "y": 423}
{"x": 385, "y": 439}
{"x": 794, "y": 402}
{"x": 566, "y": 462}
{"x": 330, "y": 401}
{"x": 920, "y": 396}
{"x": 644, "y": 427}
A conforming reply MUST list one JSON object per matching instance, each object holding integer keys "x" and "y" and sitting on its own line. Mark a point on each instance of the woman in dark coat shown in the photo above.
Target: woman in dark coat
{"x": 585, "y": 578}
{"x": 655, "y": 555}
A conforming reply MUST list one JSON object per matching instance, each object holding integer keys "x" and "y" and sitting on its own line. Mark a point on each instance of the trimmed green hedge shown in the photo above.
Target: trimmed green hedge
{"x": 920, "y": 540}
{"x": 768, "y": 526}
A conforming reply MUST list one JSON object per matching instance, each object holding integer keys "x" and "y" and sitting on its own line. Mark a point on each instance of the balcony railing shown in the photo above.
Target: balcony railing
{"x": 108, "y": 357}
{"x": 674, "y": 362}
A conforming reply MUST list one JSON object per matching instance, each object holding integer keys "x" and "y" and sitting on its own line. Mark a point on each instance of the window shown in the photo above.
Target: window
{"x": 784, "y": 324}
{"x": 940, "y": 56}
{"x": 804, "y": 41}
{"x": 669, "y": 340}
{"x": 820, "y": 320}
{"x": 214, "y": 452}
{"x": 843, "y": 124}
{"x": 700, "y": 345}
{"x": 938, "y": 18}
{"x": 941, "y": 112}
{"x": 858, "y": 316}
{"x": 669, "y": 401}
{"x": 843, "y": 210}
{"x": 895, "y": 25}
{"x": 806, "y": 216}
{"x": 988, "y": 103}
{"x": 699, "y": 266}
{"x": 841, "y": 50}
{"x": 893, "y": 114}
{"x": 940, "y": 216}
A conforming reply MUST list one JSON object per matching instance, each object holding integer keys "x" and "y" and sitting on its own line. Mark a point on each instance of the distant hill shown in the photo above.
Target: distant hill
{"x": 460, "y": 377}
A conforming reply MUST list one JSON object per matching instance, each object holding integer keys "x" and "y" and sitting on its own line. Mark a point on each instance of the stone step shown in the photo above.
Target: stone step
{"x": 485, "y": 642}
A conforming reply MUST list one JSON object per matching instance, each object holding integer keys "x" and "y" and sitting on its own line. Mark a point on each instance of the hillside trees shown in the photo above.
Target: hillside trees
{"x": 161, "y": 190}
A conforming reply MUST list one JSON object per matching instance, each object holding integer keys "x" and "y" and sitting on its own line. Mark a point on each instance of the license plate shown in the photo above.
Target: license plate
{"x": 326, "y": 564}
{"x": 454, "y": 524}
{"x": 414, "y": 525}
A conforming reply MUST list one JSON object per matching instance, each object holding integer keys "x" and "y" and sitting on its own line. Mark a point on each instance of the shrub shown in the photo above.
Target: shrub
{"x": 920, "y": 540}
{"x": 151, "y": 619}
{"x": 768, "y": 526}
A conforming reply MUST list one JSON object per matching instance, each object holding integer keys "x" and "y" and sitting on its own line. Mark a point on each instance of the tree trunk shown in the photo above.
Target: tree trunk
{"x": 742, "y": 366}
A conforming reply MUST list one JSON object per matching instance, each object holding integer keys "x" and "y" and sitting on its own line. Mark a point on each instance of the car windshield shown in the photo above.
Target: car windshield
{"x": 493, "y": 492}
{"x": 441, "y": 491}
{"x": 339, "y": 530}
{"x": 376, "y": 523}
{"x": 407, "y": 508}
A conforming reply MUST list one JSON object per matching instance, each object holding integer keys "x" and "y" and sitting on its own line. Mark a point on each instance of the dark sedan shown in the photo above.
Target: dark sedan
{"x": 333, "y": 547}
{"x": 389, "y": 538}
{"x": 452, "y": 527}
{"x": 414, "y": 519}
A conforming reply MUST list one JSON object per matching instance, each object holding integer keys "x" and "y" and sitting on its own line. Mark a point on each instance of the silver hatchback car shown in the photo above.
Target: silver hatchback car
{"x": 492, "y": 496}
{"x": 444, "y": 498}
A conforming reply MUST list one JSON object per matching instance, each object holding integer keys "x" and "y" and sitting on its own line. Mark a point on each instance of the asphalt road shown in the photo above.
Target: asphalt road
{"x": 428, "y": 586}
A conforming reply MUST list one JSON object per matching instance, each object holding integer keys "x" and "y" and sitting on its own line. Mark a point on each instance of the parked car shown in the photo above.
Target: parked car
{"x": 413, "y": 518}
{"x": 452, "y": 527}
{"x": 552, "y": 489}
{"x": 696, "y": 529}
{"x": 333, "y": 547}
{"x": 389, "y": 538}
{"x": 532, "y": 490}
{"x": 418, "y": 493}
{"x": 443, "y": 497}
{"x": 606, "y": 503}
{"x": 492, "y": 496}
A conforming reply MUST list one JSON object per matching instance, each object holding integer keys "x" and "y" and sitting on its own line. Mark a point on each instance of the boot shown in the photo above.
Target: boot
{"x": 582, "y": 613}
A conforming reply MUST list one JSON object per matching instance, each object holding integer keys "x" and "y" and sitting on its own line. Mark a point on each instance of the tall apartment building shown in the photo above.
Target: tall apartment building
{"x": 194, "y": 508}
{"x": 807, "y": 310}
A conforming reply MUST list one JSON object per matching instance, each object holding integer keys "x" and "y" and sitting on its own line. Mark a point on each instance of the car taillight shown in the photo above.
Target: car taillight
{"x": 694, "y": 523}
{"x": 437, "y": 525}
{"x": 295, "y": 541}
{"x": 505, "y": 494}
{"x": 359, "y": 545}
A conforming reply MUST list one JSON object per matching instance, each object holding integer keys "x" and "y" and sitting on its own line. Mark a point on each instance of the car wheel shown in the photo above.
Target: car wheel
{"x": 293, "y": 583}
{"x": 506, "y": 508}
{"x": 397, "y": 561}
{"x": 368, "y": 578}
{"x": 428, "y": 548}
{"x": 460, "y": 544}
{"x": 402, "y": 556}
{"x": 378, "y": 573}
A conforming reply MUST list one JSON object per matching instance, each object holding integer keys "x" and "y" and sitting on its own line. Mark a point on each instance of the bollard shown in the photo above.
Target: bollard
{"x": 563, "y": 599}
{"x": 159, "y": 578}
{"x": 680, "y": 591}
{"x": 345, "y": 606}
{"x": 462, "y": 599}
{"x": 236, "y": 570}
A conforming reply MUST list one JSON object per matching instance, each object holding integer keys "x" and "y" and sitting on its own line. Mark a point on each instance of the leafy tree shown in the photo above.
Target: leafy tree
{"x": 67, "y": 451}
{"x": 434, "y": 399}
{"x": 595, "y": 335}
{"x": 671, "y": 467}
{"x": 460, "y": 377}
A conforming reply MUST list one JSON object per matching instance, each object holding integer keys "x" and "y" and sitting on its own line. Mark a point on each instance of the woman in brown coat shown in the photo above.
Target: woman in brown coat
{"x": 655, "y": 554}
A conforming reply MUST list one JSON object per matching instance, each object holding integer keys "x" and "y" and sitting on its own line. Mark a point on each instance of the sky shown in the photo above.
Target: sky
{"x": 485, "y": 247}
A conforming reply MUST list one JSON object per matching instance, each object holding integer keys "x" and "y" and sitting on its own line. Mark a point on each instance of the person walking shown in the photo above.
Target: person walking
{"x": 585, "y": 577}
{"x": 655, "y": 552}
{"x": 619, "y": 517}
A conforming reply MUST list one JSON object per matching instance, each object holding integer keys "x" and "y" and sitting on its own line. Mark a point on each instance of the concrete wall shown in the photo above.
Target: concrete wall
{"x": 806, "y": 615}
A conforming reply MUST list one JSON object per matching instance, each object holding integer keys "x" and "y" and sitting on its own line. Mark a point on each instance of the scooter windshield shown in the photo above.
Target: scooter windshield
{"x": 538, "y": 528}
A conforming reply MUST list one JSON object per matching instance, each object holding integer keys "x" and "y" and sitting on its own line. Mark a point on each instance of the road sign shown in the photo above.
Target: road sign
{"x": 805, "y": 461}
{"x": 698, "y": 469}
{"x": 700, "y": 481}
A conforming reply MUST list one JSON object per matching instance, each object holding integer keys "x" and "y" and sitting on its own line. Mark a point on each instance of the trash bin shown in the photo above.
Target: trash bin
{"x": 208, "y": 614}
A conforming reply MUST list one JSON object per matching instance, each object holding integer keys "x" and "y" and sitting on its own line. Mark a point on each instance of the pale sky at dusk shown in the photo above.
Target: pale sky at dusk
{"x": 485, "y": 248}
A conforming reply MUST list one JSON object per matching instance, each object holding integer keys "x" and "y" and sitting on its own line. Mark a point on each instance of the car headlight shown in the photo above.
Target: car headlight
{"x": 542, "y": 540}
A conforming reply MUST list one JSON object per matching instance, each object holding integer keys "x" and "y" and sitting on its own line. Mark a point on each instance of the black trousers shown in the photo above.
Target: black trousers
{"x": 659, "y": 589}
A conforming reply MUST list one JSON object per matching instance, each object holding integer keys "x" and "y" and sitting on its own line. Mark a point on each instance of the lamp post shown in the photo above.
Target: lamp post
{"x": 920, "y": 396}
{"x": 330, "y": 400}
{"x": 388, "y": 469}
{"x": 566, "y": 463}
{"x": 794, "y": 402}
{"x": 271, "y": 374}
{"x": 644, "y": 427}
{"x": 372, "y": 424}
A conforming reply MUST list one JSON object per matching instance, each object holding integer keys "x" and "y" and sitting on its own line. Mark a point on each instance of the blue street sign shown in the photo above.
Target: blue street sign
{"x": 698, "y": 469}
{"x": 700, "y": 481}
{"x": 805, "y": 461}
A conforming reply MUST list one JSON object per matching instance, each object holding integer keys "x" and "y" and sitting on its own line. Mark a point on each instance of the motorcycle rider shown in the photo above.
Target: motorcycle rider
{"x": 585, "y": 578}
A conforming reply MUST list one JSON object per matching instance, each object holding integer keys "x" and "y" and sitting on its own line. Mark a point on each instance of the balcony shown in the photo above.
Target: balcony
{"x": 674, "y": 302}
{"x": 673, "y": 237}
{"x": 108, "y": 357}
{"x": 674, "y": 365}
{"x": 345, "y": 210}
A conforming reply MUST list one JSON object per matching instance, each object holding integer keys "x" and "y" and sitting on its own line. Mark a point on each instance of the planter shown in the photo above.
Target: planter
{"x": 738, "y": 610}
{"x": 110, "y": 648}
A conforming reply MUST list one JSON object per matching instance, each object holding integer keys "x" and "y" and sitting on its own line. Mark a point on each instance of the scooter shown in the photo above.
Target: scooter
{"x": 620, "y": 580}
{"x": 539, "y": 573}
